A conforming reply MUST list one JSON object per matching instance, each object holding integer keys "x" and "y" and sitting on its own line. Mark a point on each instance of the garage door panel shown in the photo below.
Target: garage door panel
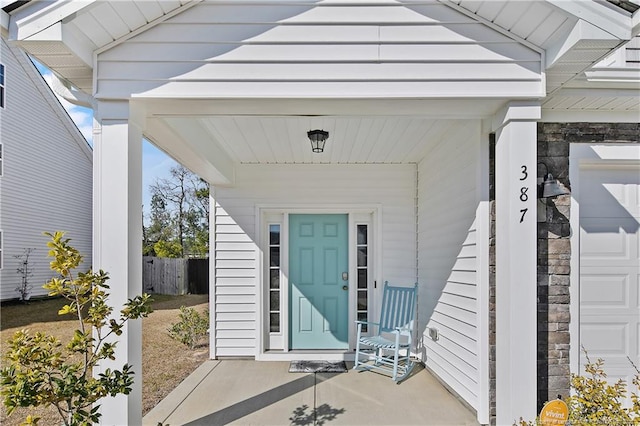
{"x": 600, "y": 339}
{"x": 608, "y": 200}
{"x": 613, "y": 192}
{"x": 608, "y": 240}
{"x": 605, "y": 291}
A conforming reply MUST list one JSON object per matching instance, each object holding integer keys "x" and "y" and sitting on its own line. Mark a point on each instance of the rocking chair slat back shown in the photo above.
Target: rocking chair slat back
{"x": 397, "y": 307}
{"x": 394, "y": 333}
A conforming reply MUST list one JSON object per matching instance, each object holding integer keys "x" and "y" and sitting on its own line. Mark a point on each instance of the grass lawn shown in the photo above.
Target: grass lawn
{"x": 165, "y": 362}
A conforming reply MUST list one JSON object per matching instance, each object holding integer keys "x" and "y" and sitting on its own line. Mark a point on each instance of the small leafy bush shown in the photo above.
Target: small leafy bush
{"x": 191, "y": 327}
{"x": 594, "y": 401}
{"x": 41, "y": 371}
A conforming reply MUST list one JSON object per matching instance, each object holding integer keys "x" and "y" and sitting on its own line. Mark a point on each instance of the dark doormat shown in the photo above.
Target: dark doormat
{"x": 317, "y": 367}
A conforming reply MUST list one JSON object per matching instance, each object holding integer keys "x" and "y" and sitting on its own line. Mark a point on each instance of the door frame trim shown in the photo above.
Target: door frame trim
{"x": 262, "y": 212}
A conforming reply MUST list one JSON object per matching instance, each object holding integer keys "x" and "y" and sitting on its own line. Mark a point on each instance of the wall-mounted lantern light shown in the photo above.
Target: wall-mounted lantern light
{"x": 317, "y": 138}
{"x": 548, "y": 186}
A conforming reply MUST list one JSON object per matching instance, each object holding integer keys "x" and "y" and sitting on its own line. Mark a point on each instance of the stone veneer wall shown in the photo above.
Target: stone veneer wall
{"x": 554, "y": 253}
{"x": 554, "y": 257}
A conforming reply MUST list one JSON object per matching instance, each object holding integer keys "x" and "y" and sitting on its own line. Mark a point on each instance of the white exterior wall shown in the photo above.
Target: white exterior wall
{"x": 47, "y": 175}
{"x": 449, "y": 257}
{"x": 236, "y": 287}
{"x": 322, "y": 50}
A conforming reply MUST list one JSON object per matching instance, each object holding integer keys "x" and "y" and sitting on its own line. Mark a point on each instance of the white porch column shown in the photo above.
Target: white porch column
{"x": 516, "y": 248}
{"x": 117, "y": 240}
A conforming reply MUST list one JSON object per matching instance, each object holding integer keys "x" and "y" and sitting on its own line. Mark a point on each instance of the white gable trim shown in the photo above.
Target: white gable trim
{"x": 144, "y": 28}
{"x": 4, "y": 22}
{"x": 496, "y": 27}
{"x": 580, "y": 32}
{"x": 56, "y": 107}
{"x": 607, "y": 17}
{"x": 38, "y": 16}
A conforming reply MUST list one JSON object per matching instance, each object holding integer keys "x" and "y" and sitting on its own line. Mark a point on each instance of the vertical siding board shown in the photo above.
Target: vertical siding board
{"x": 320, "y": 186}
{"x": 47, "y": 179}
{"x": 447, "y": 258}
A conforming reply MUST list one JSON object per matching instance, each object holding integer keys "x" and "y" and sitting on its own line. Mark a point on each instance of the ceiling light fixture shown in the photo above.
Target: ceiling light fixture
{"x": 318, "y": 139}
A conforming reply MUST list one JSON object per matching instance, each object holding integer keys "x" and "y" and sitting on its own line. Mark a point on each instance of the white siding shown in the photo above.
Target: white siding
{"x": 448, "y": 259}
{"x": 324, "y": 50}
{"x": 632, "y": 52}
{"x": 315, "y": 186}
{"x": 47, "y": 179}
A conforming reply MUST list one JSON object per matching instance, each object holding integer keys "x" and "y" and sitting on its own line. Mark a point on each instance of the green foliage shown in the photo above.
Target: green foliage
{"x": 191, "y": 327}
{"x": 171, "y": 249}
{"x": 596, "y": 401}
{"x": 179, "y": 216}
{"x": 42, "y": 371}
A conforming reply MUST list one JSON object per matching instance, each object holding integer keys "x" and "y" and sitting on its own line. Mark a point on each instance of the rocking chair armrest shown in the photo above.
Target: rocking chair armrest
{"x": 403, "y": 330}
{"x": 367, "y": 322}
{"x": 359, "y": 325}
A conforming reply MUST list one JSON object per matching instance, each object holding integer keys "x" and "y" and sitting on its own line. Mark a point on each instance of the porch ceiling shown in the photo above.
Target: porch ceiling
{"x": 352, "y": 139}
{"x": 214, "y": 136}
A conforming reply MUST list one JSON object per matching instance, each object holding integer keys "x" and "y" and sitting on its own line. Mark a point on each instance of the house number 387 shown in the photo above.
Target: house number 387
{"x": 524, "y": 197}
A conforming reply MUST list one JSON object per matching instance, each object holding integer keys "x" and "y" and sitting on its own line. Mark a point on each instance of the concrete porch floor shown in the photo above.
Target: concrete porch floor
{"x": 246, "y": 392}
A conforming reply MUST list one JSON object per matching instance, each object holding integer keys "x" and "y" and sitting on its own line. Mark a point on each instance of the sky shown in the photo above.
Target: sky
{"x": 155, "y": 163}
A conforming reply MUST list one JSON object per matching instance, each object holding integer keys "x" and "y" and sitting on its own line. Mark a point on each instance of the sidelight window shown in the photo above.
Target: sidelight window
{"x": 362, "y": 266}
{"x": 274, "y": 278}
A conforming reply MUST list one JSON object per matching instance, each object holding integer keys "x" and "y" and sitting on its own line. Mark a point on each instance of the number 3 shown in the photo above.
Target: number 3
{"x": 524, "y": 173}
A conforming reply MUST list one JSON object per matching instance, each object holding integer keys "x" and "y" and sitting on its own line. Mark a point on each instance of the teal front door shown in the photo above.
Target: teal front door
{"x": 319, "y": 296}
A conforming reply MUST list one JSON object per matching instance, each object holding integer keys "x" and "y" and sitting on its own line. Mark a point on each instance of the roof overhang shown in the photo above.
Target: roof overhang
{"x": 55, "y": 33}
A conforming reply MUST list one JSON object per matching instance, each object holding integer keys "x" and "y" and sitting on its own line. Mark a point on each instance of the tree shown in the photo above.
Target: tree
{"x": 41, "y": 371}
{"x": 160, "y": 228}
{"x": 179, "y": 223}
{"x": 25, "y": 270}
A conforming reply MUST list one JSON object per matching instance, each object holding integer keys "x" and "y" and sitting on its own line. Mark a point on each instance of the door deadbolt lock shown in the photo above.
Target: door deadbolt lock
{"x": 345, "y": 276}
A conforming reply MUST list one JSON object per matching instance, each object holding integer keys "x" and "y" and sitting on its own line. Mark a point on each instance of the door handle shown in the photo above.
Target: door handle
{"x": 345, "y": 287}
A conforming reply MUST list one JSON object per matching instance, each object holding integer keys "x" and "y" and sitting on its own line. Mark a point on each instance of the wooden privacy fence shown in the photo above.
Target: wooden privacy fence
{"x": 163, "y": 275}
{"x": 198, "y": 273}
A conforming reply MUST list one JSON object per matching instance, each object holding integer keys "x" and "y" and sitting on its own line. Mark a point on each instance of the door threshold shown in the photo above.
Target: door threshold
{"x": 307, "y": 355}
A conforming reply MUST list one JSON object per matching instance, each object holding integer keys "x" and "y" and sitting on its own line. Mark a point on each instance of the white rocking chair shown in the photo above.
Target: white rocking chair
{"x": 393, "y": 333}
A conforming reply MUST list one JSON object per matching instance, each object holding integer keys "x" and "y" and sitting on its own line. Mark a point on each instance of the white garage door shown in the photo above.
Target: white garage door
{"x": 609, "y": 205}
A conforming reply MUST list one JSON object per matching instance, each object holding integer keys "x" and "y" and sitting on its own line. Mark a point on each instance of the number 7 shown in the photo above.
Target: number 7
{"x": 523, "y": 211}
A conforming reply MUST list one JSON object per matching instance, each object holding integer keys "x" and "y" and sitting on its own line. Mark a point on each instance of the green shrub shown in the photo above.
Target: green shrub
{"x": 41, "y": 371}
{"x": 191, "y": 327}
{"x": 594, "y": 401}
